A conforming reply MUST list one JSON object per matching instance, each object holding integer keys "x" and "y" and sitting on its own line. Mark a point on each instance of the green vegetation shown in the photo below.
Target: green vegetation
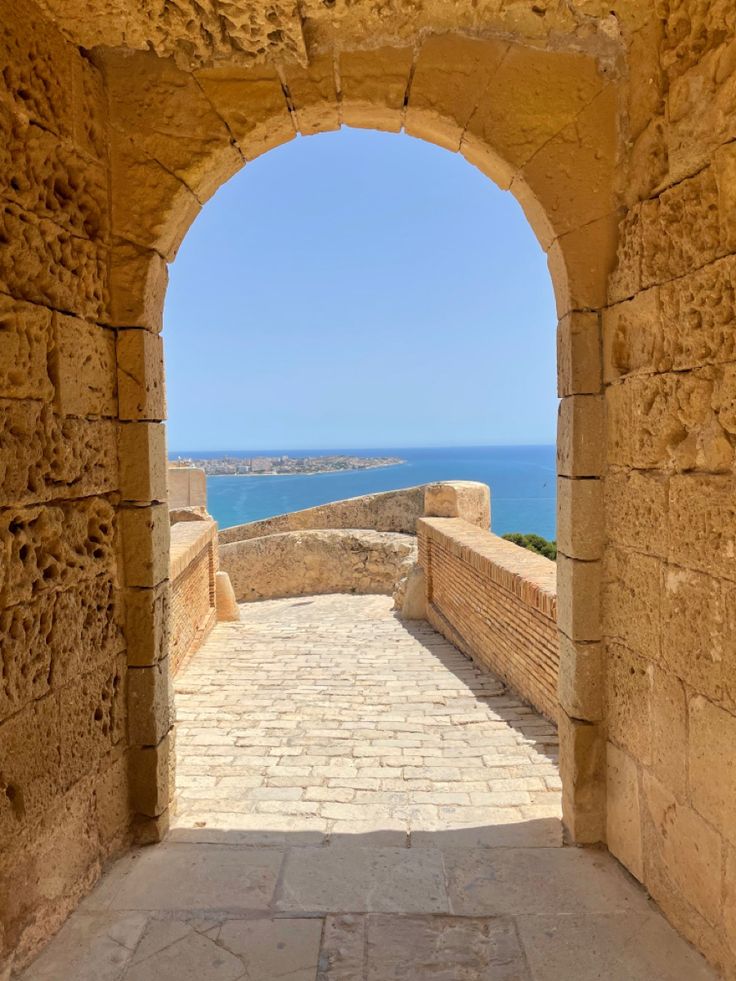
{"x": 535, "y": 543}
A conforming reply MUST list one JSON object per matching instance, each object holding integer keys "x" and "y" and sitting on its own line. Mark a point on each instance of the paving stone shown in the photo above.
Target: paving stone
{"x": 422, "y": 948}
{"x": 90, "y": 947}
{"x": 610, "y": 947}
{"x": 198, "y": 877}
{"x": 273, "y": 948}
{"x": 483, "y": 882}
{"x": 191, "y": 958}
{"x": 348, "y": 879}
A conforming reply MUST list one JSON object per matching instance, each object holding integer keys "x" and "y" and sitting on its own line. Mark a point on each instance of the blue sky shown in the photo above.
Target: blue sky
{"x": 359, "y": 289}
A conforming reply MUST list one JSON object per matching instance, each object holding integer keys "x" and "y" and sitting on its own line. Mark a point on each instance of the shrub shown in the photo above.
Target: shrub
{"x": 535, "y": 543}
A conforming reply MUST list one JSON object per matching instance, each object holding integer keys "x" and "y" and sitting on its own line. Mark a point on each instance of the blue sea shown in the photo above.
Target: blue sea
{"x": 521, "y": 478}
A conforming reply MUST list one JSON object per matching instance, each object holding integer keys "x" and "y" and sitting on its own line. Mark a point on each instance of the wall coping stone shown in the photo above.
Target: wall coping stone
{"x": 531, "y": 577}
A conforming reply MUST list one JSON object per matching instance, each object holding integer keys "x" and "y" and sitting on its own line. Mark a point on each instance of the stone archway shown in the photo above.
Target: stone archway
{"x": 480, "y": 98}
{"x": 117, "y": 125}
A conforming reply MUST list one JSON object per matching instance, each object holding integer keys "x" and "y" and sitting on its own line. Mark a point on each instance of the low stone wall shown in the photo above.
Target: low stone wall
{"x": 301, "y": 563}
{"x": 495, "y": 601}
{"x": 192, "y": 570}
{"x": 187, "y": 487}
{"x": 395, "y": 511}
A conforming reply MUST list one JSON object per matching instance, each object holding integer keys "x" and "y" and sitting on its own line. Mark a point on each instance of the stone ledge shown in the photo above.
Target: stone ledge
{"x": 531, "y": 577}
{"x": 188, "y": 538}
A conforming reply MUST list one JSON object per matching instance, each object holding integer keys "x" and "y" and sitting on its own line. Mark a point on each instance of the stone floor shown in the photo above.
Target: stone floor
{"x": 358, "y": 803}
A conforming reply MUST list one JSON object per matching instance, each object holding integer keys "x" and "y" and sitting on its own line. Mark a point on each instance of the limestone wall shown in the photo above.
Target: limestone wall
{"x": 187, "y": 487}
{"x": 303, "y": 563}
{"x": 192, "y": 572}
{"x": 613, "y": 124}
{"x": 667, "y": 580}
{"x": 497, "y": 602}
{"x": 63, "y": 686}
{"x": 389, "y": 511}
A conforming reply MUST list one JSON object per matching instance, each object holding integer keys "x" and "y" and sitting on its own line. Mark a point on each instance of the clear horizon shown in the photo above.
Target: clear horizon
{"x": 359, "y": 449}
{"x": 360, "y": 289}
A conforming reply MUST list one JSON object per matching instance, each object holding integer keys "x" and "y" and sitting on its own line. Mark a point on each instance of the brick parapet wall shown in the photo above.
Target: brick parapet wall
{"x": 496, "y": 602}
{"x": 193, "y": 566}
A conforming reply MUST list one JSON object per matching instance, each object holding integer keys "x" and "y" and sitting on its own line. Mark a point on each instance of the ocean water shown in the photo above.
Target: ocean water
{"x": 521, "y": 478}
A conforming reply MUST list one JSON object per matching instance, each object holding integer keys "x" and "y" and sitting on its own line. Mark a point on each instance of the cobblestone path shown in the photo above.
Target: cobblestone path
{"x": 358, "y": 803}
{"x": 331, "y": 714}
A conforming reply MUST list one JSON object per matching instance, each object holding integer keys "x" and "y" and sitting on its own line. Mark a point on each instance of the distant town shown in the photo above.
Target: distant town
{"x": 264, "y": 466}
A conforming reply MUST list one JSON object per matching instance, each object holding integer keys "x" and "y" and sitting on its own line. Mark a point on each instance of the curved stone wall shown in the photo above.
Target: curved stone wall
{"x": 301, "y": 563}
{"x": 395, "y": 511}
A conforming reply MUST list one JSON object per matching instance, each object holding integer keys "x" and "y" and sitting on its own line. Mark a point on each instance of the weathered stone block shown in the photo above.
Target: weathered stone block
{"x": 25, "y": 343}
{"x": 633, "y": 337}
{"x": 89, "y": 104}
{"x": 373, "y": 87}
{"x": 585, "y": 152}
{"x": 509, "y": 119}
{"x": 92, "y": 718}
{"x": 629, "y": 701}
{"x": 699, "y": 632}
{"x": 49, "y": 178}
{"x": 466, "y": 499}
{"x": 626, "y": 279}
{"x": 191, "y": 140}
{"x": 580, "y": 263}
{"x": 143, "y": 462}
{"x": 441, "y": 102}
{"x": 86, "y": 629}
{"x": 701, "y": 110}
{"x": 669, "y": 732}
{"x": 138, "y": 281}
{"x": 54, "y": 547}
{"x": 29, "y": 765}
{"x": 697, "y": 312}
{"x": 43, "y": 456}
{"x": 149, "y": 778}
{"x": 145, "y": 532}
{"x": 84, "y": 368}
{"x": 681, "y": 229}
{"x": 711, "y": 766}
{"x": 39, "y": 85}
{"x": 252, "y": 103}
{"x": 149, "y": 703}
{"x": 226, "y": 604}
{"x": 665, "y": 422}
{"x": 632, "y": 600}
{"x": 578, "y": 598}
{"x": 703, "y": 523}
{"x": 580, "y": 520}
{"x": 151, "y": 207}
{"x": 141, "y": 393}
{"x": 578, "y": 354}
{"x": 147, "y": 624}
{"x": 582, "y": 767}
{"x": 25, "y": 654}
{"x": 580, "y": 436}
{"x": 623, "y": 814}
{"x": 112, "y": 805}
{"x": 636, "y": 510}
{"x": 58, "y": 862}
{"x": 313, "y": 94}
{"x": 581, "y": 680}
{"x": 685, "y": 846}
{"x": 46, "y": 264}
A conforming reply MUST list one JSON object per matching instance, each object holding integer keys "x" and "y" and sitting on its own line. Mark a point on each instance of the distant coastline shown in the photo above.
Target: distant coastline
{"x": 313, "y": 473}
{"x": 284, "y": 465}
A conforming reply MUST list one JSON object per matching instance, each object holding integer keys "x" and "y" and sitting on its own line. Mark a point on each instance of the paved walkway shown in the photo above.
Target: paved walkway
{"x": 358, "y": 803}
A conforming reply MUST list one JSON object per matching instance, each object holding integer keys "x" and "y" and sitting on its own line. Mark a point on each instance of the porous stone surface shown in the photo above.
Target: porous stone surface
{"x": 613, "y": 125}
{"x": 303, "y": 563}
{"x": 265, "y": 874}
